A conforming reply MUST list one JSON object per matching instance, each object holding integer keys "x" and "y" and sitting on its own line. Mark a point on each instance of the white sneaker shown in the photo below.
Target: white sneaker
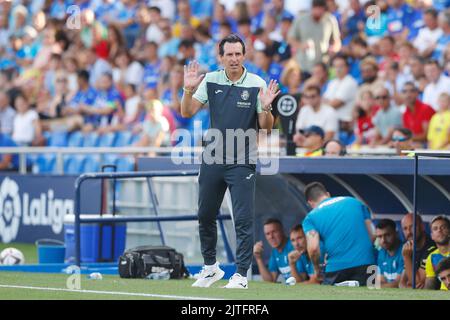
{"x": 237, "y": 282}
{"x": 208, "y": 276}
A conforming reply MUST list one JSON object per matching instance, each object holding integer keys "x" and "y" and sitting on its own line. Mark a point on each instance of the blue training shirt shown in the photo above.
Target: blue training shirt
{"x": 279, "y": 260}
{"x": 390, "y": 267}
{"x": 340, "y": 222}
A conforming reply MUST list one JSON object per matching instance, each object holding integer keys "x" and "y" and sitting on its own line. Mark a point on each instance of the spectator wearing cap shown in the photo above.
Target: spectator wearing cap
{"x": 312, "y": 141}
{"x": 387, "y": 118}
{"x": 184, "y": 17}
{"x": 312, "y": 47}
{"x": 440, "y": 233}
{"x": 314, "y": 112}
{"x": 437, "y": 83}
{"x": 401, "y": 140}
{"x": 417, "y": 114}
{"x": 267, "y": 68}
{"x": 428, "y": 36}
{"x": 443, "y": 272}
{"x": 439, "y": 130}
{"x": 334, "y": 148}
{"x": 390, "y": 260}
{"x": 7, "y": 114}
{"x": 341, "y": 91}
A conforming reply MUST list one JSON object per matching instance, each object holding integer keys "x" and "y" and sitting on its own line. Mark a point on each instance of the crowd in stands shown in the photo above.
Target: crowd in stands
{"x": 112, "y": 66}
{"x": 350, "y": 245}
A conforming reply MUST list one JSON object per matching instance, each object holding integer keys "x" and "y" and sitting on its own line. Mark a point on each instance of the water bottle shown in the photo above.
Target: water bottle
{"x": 350, "y": 283}
{"x": 95, "y": 276}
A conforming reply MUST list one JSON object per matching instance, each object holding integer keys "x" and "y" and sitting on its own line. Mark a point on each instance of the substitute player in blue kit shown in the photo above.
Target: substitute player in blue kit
{"x": 345, "y": 228}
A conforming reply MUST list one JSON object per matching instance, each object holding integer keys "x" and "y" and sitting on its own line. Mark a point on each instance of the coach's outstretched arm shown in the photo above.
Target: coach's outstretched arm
{"x": 189, "y": 105}
{"x": 266, "y": 97}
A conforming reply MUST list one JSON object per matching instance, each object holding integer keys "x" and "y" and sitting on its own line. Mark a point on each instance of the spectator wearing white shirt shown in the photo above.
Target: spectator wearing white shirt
{"x": 437, "y": 83}
{"x": 27, "y": 128}
{"x": 314, "y": 112}
{"x": 7, "y": 114}
{"x": 427, "y": 38}
{"x": 341, "y": 91}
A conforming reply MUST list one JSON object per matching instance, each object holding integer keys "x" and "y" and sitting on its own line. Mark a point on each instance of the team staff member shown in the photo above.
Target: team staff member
{"x": 344, "y": 225}
{"x": 238, "y": 100}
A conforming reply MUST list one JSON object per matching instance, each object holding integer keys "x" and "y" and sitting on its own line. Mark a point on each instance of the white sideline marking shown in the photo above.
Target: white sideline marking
{"x": 111, "y": 293}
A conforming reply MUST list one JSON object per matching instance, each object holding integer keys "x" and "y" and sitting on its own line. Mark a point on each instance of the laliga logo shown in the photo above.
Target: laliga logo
{"x": 43, "y": 211}
{"x": 10, "y": 210}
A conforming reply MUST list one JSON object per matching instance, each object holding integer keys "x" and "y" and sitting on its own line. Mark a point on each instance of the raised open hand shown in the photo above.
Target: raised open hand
{"x": 269, "y": 95}
{"x": 191, "y": 77}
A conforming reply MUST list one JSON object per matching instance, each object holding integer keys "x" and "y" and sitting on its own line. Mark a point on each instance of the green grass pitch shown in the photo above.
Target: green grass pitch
{"x": 20, "y": 285}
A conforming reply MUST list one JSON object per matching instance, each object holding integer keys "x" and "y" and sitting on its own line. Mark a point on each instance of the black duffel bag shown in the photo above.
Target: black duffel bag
{"x": 141, "y": 261}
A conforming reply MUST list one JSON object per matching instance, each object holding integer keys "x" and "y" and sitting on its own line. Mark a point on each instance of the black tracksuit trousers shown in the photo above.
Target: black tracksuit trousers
{"x": 213, "y": 182}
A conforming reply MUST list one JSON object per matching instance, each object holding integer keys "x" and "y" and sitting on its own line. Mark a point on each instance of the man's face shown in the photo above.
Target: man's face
{"x": 317, "y": 12}
{"x": 233, "y": 56}
{"x": 340, "y": 67}
{"x": 382, "y": 98}
{"x": 313, "y": 141}
{"x": 368, "y": 72}
{"x": 407, "y": 228}
{"x": 298, "y": 240}
{"x": 440, "y": 232}
{"x": 432, "y": 72}
{"x": 430, "y": 21}
{"x": 416, "y": 67}
{"x": 445, "y": 278}
{"x": 312, "y": 98}
{"x": 410, "y": 94}
{"x": 274, "y": 234}
{"x": 386, "y": 237}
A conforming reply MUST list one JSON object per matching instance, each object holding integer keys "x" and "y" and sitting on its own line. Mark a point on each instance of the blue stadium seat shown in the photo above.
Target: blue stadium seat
{"x": 74, "y": 164}
{"x": 91, "y": 140}
{"x": 46, "y": 163}
{"x": 76, "y": 139}
{"x": 125, "y": 163}
{"x": 91, "y": 163}
{"x": 107, "y": 140}
{"x": 57, "y": 139}
{"x": 123, "y": 139}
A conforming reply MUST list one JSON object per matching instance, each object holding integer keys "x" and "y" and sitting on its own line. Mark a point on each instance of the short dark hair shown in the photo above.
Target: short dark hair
{"x": 314, "y": 191}
{"x": 386, "y": 223}
{"x": 341, "y": 57}
{"x": 273, "y": 220}
{"x": 186, "y": 43}
{"x": 155, "y": 8}
{"x": 444, "y": 264}
{"x": 432, "y": 11}
{"x": 296, "y": 228}
{"x": 412, "y": 84}
{"x": 83, "y": 74}
{"x": 433, "y": 61}
{"x": 313, "y": 88}
{"x": 442, "y": 218}
{"x": 319, "y": 3}
{"x": 232, "y": 38}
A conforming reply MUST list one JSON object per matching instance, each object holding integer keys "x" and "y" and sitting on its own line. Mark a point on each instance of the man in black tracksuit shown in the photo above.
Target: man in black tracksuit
{"x": 238, "y": 102}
